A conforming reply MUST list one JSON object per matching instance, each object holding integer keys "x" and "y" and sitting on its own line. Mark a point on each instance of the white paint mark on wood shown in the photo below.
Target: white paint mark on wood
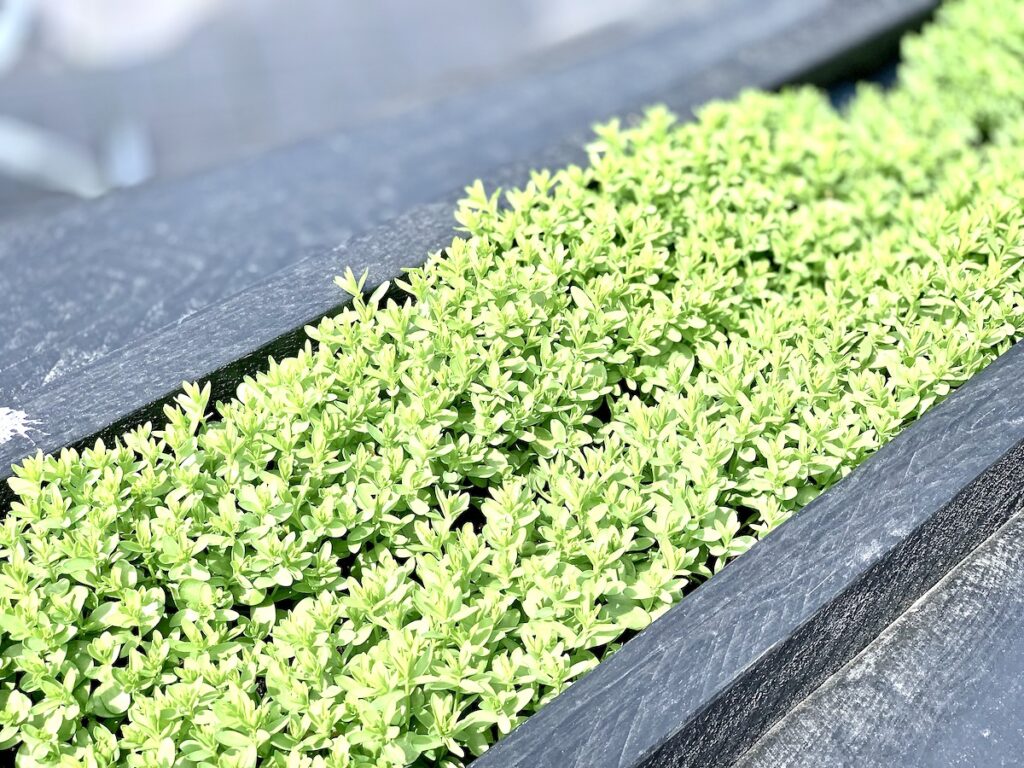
{"x": 13, "y": 423}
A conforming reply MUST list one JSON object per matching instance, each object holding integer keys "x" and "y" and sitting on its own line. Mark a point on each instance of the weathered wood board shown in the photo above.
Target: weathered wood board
{"x": 944, "y": 685}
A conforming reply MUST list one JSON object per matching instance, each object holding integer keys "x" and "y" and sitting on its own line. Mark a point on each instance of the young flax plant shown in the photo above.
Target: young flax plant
{"x": 393, "y": 547}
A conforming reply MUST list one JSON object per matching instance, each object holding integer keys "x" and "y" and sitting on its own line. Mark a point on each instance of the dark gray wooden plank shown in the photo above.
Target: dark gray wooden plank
{"x": 702, "y": 683}
{"x": 199, "y": 232}
{"x": 88, "y": 280}
{"x": 944, "y": 685}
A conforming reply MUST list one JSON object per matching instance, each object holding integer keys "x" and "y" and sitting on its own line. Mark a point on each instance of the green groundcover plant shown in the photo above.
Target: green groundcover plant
{"x": 393, "y": 547}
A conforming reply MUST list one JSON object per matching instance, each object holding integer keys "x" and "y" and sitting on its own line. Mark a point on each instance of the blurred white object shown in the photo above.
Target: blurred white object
{"x": 43, "y": 158}
{"x": 36, "y": 156}
{"x": 106, "y": 33}
{"x": 127, "y": 154}
{"x": 15, "y": 26}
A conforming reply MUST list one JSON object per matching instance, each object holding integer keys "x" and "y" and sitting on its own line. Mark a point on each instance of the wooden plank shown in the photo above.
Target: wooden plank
{"x": 287, "y": 201}
{"x": 701, "y": 684}
{"x": 944, "y": 685}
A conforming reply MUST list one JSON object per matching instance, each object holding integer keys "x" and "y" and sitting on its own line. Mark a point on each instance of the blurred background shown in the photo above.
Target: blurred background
{"x": 101, "y": 94}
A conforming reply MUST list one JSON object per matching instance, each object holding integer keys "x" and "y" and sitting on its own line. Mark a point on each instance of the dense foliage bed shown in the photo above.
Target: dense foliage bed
{"x": 393, "y": 547}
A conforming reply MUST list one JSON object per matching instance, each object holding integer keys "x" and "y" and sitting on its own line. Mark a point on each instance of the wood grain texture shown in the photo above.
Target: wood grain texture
{"x": 944, "y": 685}
{"x": 85, "y": 290}
{"x": 702, "y": 683}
